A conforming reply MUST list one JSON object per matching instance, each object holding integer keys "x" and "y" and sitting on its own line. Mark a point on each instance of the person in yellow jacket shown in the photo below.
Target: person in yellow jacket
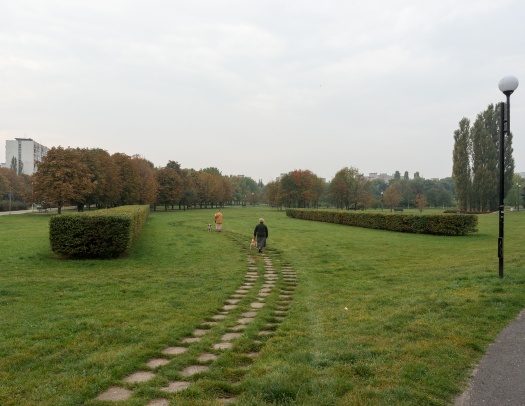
{"x": 218, "y": 221}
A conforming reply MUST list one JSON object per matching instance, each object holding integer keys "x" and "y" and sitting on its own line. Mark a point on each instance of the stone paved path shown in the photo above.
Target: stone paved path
{"x": 261, "y": 281}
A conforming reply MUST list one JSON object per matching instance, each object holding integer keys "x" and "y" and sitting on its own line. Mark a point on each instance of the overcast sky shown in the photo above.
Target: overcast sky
{"x": 260, "y": 88}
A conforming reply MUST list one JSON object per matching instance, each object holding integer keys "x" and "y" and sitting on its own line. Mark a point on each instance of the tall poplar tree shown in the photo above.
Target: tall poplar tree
{"x": 484, "y": 165}
{"x": 476, "y": 161}
{"x": 461, "y": 170}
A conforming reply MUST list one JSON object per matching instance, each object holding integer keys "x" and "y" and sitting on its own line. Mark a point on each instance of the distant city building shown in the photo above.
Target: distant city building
{"x": 23, "y": 155}
{"x": 383, "y": 176}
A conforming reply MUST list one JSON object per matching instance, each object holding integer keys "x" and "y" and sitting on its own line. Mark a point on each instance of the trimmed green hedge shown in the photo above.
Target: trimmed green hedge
{"x": 99, "y": 234}
{"x": 441, "y": 224}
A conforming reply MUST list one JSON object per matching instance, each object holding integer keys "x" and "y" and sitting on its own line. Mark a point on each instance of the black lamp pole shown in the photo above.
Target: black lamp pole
{"x": 507, "y": 85}
{"x": 518, "y": 187}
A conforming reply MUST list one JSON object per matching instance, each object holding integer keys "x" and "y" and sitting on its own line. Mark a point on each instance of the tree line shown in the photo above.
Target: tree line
{"x": 476, "y": 162}
{"x": 93, "y": 177}
{"x": 351, "y": 190}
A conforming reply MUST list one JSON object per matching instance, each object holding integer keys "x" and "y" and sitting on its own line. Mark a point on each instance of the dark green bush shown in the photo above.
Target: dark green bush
{"x": 441, "y": 224}
{"x": 99, "y": 234}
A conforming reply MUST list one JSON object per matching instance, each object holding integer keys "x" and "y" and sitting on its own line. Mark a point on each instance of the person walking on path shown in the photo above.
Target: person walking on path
{"x": 218, "y": 221}
{"x": 261, "y": 234}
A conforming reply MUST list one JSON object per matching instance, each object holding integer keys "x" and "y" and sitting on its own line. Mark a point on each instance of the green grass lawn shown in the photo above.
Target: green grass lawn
{"x": 378, "y": 318}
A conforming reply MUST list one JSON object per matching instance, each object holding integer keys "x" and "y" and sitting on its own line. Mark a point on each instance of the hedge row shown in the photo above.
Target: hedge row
{"x": 98, "y": 234}
{"x": 442, "y": 224}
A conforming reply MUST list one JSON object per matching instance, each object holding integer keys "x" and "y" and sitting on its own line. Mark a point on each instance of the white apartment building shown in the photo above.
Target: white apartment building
{"x": 23, "y": 154}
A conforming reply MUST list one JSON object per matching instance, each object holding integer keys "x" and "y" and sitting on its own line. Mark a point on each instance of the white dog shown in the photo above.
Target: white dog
{"x": 253, "y": 244}
{"x": 209, "y": 228}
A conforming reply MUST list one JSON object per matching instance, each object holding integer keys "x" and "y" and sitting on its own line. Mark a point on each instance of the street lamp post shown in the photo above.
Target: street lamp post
{"x": 253, "y": 199}
{"x": 518, "y": 185}
{"x": 507, "y": 85}
{"x": 382, "y": 201}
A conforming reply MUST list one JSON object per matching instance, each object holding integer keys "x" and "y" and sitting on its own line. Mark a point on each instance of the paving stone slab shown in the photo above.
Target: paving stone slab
{"x": 250, "y": 314}
{"x": 176, "y": 386}
{"x": 257, "y": 305}
{"x": 174, "y": 350}
{"x": 230, "y": 336}
{"x": 189, "y": 340}
{"x": 245, "y": 320}
{"x": 206, "y": 357}
{"x": 193, "y": 369}
{"x": 200, "y": 332}
{"x": 238, "y": 327}
{"x": 266, "y": 332}
{"x": 222, "y": 346}
{"x": 219, "y": 316}
{"x": 115, "y": 393}
{"x": 140, "y": 376}
{"x": 159, "y": 402}
{"x": 229, "y": 307}
{"x": 157, "y": 362}
{"x": 233, "y": 301}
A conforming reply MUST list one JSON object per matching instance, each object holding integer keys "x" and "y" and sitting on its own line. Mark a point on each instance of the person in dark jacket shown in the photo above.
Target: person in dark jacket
{"x": 260, "y": 234}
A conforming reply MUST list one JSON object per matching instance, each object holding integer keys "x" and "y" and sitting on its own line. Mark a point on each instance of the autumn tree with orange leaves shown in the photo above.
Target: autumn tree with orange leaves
{"x": 393, "y": 195}
{"x": 62, "y": 178}
{"x": 104, "y": 175}
{"x": 350, "y": 189}
{"x": 147, "y": 181}
{"x": 170, "y": 187}
{"x": 128, "y": 179}
{"x": 301, "y": 188}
